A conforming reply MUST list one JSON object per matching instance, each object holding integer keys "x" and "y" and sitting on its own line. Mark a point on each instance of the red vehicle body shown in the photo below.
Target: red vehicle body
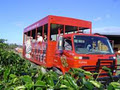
{"x": 69, "y": 47}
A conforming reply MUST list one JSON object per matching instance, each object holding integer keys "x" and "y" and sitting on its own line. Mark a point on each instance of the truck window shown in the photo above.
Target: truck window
{"x": 67, "y": 44}
{"x": 92, "y": 45}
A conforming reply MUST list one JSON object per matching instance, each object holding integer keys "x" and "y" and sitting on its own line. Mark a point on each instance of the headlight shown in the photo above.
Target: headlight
{"x": 112, "y": 57}
{"x": 81, "y": 57}
{"x": 76, "y": 57}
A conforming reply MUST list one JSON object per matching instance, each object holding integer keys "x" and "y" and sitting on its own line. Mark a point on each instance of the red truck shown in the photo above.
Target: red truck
{"x": 69, "y": 44}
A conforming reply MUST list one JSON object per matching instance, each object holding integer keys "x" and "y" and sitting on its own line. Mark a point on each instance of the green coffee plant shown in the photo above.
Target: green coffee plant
{"x": 17, "y": 73}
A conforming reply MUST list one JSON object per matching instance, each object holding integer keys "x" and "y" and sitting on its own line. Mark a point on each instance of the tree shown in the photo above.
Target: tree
{"x": 2, "y": 40}
{"x": 3, "y": 45}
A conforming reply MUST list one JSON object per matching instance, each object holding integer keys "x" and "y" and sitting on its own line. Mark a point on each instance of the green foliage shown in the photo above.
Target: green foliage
{"x": 6, "y": 46}
{"x": 17, "y": 73}
{"x": 114, "y": 86}
{"x": 13, "y": 46}
{"x": 3, "y": 46}
{"x": 6, "y": 74}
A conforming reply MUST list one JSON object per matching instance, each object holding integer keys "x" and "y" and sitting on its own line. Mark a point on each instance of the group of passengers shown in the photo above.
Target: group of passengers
{"x": 30, "y": 39}
{"x": 40, "y": 38}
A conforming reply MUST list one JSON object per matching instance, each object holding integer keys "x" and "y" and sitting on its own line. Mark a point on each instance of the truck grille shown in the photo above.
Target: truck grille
{"x": 110, "y": 63}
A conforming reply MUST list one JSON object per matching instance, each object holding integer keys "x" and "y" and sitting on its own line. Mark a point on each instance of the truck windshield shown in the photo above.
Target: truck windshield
{"x": 92, "y": 45}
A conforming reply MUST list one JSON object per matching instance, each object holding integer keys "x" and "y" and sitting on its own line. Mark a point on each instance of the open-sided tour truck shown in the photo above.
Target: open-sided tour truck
{"x": 69, "y": 44}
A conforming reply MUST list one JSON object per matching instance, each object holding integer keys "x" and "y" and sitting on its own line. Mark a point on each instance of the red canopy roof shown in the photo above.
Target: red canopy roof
{"x": 59, "y": 20}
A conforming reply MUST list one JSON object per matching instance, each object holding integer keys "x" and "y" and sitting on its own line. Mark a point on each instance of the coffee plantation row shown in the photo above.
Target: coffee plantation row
{"x": 17, "y": 73}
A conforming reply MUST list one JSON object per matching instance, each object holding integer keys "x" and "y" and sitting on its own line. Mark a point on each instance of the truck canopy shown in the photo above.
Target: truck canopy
{"x": 69, "y": 24}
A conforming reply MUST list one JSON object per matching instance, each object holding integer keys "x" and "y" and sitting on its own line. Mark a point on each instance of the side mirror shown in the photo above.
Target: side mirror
{"x": 60, "y": 44}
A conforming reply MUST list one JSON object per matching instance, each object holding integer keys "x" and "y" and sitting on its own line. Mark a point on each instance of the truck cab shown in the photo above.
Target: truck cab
{"x": 88, "y": 51}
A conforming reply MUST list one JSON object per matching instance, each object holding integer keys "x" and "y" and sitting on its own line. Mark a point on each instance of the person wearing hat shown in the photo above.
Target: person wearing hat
{"x": 39, "y": 38}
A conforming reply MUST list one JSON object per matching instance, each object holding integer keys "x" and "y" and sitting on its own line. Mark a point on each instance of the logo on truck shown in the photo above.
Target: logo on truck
{"x": 64, "y": 61}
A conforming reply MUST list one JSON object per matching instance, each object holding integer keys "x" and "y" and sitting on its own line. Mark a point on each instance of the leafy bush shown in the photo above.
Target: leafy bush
{"x": 17, "y": 73}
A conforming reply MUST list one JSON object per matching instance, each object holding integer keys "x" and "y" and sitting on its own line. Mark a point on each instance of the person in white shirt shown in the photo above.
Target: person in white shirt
{"x": 39, "y": 38}
{"x": 28, "y": 47}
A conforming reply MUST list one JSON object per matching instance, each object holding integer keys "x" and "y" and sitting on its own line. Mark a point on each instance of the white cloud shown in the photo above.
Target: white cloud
{"x": 98, "y": 19}
{"x": 107, "y": 30}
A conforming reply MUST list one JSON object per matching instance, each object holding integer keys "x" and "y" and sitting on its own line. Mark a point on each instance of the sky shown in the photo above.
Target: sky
{"x": 15, "y": 15}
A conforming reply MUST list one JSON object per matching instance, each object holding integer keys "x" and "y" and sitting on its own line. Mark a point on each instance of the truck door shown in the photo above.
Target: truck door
{"x": 67, "y": 51}
{"x": 58, "y": 52}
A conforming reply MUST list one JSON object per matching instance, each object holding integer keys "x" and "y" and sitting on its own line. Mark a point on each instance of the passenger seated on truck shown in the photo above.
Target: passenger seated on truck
{"x": 67, "y": 44}
{"x": 45, "y": 37}
{"x": 39, "y": 38}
